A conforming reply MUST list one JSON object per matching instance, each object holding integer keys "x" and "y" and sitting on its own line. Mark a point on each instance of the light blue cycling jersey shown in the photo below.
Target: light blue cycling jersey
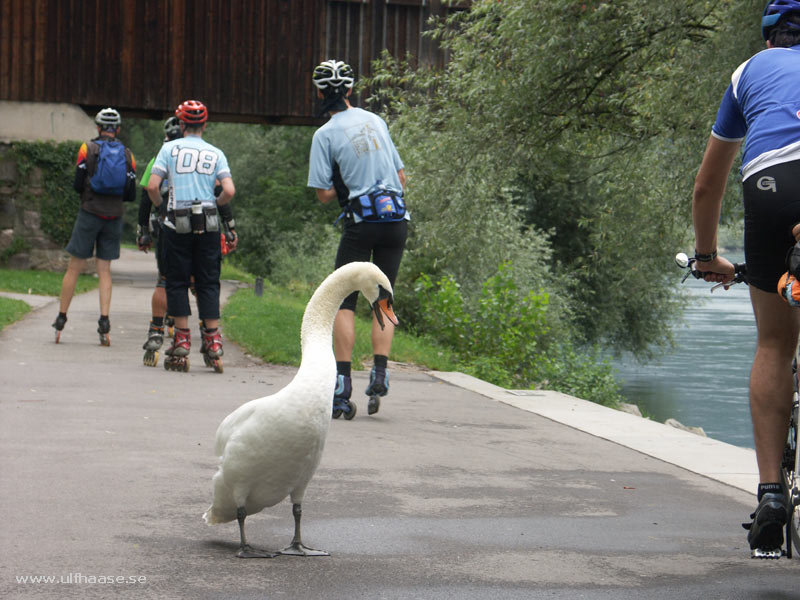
{"x": 192, "y": 166}
{"x": 359, "y": 142}
{"x": 762, "y": 106}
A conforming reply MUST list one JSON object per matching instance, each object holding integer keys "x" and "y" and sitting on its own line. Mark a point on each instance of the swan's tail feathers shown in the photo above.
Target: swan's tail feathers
{"x": 223, "y": 507}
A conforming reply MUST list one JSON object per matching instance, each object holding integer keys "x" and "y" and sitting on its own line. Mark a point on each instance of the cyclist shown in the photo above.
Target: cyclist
{"x": 354, "y": 160}
{"x": 192, "y": 229}
{"x": 761, "y": 107}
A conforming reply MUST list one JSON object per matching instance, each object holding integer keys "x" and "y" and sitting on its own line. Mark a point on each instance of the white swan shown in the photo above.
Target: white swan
{"x": 270, "y": 447}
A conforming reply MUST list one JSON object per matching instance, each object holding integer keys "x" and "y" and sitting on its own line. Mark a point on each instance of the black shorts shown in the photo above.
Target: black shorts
{"x": 771, "y": 209}
{"x": 383, "y": 243}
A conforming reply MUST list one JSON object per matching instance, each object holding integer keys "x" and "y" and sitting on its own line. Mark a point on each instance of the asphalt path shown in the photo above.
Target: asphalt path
{"x": 447, "y": 492}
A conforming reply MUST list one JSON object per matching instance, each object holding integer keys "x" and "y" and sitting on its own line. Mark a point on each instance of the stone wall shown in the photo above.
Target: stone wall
{"x": 20, "y": 203}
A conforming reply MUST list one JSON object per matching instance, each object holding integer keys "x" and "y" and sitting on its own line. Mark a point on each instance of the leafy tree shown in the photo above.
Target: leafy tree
{"x": 565, "y": 138}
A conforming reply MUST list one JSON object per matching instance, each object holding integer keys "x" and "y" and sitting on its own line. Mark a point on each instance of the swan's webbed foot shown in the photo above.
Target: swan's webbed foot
{"x": 298, "y": 549}
{"x": 247, "y": 551}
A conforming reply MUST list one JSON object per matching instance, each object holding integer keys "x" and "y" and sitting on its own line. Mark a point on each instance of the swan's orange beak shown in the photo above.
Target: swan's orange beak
{"x": 383, "y": 307}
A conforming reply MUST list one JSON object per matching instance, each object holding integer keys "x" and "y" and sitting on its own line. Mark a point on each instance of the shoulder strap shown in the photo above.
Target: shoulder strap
{"x": 92, "y": 152}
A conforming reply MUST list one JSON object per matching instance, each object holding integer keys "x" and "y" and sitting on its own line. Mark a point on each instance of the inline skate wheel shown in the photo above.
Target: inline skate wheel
{"x": 58, "y": 336}
{"x": 348, "y": 416}
{"x": 217, "y": 364}
{"x": 105, "y": 340}
{"x": 151, "y": 358}
{"x": 374, "y": 404}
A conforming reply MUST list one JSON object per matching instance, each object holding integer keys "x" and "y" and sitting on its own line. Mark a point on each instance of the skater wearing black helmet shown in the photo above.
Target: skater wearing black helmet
{"x": 148, "y": 232}
{"x": 354, "y": 160}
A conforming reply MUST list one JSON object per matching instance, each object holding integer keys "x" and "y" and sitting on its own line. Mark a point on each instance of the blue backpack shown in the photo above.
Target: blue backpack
{"x": 111, "y": 170}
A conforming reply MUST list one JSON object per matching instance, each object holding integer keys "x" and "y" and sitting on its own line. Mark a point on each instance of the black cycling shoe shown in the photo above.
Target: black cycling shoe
{"x": 766, "y": 531}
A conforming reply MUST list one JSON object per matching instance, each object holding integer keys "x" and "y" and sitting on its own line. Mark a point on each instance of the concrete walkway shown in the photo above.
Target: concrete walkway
{"x": 456, "y": 489}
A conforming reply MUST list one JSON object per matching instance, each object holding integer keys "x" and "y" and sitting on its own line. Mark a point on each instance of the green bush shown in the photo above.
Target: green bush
{"x": 59, "y": 203}
{"x": 511, "y": 338}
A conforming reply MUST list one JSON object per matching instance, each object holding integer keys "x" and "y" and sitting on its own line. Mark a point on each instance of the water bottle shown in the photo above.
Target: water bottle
{"x": 198, "y": 218}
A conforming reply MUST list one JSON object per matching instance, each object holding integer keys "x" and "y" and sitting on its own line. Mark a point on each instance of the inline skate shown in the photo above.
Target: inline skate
{"x": 342, "y": 405}
{"x": 58, "y": 324}
{"x": 178, "y": 354}
{"x": 155, "y": 338}
{"x": 169, "y": 323}
{"x": 211, "y": 348}
{"x": 103, "y": 327}
{"x": 378, "y": 386}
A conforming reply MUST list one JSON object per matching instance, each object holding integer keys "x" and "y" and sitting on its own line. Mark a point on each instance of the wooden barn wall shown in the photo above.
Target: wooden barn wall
{"x": 248, "y": 60}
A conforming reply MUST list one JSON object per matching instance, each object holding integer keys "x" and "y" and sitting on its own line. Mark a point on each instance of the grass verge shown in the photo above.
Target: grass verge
{"x": 269, "y": 327}
{"x": 43, "y": 283}
{"x": 11, "y": 310}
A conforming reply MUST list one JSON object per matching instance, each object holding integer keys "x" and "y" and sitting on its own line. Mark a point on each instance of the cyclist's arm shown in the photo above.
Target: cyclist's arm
{"x": 402, "y": 175}
{"x": 709, "y": 187}
{"x": 228, "y": 191}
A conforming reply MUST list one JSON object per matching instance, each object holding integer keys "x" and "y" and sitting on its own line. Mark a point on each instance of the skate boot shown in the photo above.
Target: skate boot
{"x": 155, "y": 338}
{"x": 178, "y": 354}
{"x": 58, "y": 324}
{"x": 378, "y": 386}
{"x": 103, "y": 327}
{"x": 211, "y": 348}
{"x": 342, "y": 405}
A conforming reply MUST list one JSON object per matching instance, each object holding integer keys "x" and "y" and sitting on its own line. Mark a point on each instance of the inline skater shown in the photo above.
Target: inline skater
{"x": 148, "y": 232}
{"x": 192, "y": 231}
{"x": 105, "y": 177}
{"x": 354, "y": 160}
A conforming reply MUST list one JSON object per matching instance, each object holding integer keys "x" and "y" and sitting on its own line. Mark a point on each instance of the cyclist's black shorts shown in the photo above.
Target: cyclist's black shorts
{"x": 771, "y": 209}
{"x": 383, "y": 243}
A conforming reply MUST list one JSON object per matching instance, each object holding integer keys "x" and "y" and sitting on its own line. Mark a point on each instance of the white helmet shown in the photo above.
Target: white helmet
{"x": 108, "y": 118}
{"x": 333, "y": 74}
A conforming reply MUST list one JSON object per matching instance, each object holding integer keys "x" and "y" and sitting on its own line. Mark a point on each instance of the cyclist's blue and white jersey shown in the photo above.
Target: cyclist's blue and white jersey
{"x": 192, "y": 166}
{"x": 762, "y": 106}
{"x": 359, "y": 142}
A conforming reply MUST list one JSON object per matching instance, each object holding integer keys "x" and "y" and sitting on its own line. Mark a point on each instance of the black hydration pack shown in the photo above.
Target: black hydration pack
{"x": 381, "y": 206}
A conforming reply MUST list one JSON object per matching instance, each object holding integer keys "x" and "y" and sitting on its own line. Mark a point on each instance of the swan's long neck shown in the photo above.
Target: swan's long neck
{"x": 317, "y": 328}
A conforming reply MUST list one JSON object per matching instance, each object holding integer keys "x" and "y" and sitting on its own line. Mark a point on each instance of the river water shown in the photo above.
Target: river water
{"x": 704, "y": 382}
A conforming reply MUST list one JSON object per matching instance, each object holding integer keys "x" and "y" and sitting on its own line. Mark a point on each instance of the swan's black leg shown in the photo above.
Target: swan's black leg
{"x": 245, "y": 550}
{"x": 297, "y": 548}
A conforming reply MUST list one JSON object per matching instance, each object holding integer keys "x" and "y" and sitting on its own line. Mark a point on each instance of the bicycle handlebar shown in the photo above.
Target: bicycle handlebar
{"x": 683, "y": 261}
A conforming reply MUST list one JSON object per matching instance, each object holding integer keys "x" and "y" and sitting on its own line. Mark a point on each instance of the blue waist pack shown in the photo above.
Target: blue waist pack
{"x": 382, "y": 205}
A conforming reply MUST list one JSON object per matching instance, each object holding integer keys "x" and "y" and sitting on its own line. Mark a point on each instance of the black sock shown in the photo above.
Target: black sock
{"x": 103, "y": 318}
{"x": 769, "y": 488}
{"x": 343, "y": 368}
{"x": 380, "y": 361}
{"x": 63, "y": 315}
{"x": 158, "y": 321}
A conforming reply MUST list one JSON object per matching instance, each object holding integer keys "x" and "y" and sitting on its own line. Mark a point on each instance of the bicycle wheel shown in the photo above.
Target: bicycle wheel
{"x": 791, "y": 479}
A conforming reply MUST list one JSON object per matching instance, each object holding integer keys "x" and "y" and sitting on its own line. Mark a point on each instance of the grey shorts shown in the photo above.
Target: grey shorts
{"x": 91, "y": 231}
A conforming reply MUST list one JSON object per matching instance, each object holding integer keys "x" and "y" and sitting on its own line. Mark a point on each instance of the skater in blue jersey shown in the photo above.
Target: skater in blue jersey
{"x": 192, "y": 228}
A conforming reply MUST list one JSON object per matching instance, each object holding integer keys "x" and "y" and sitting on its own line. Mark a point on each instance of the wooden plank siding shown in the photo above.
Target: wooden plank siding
{"x": 248, "y": 60}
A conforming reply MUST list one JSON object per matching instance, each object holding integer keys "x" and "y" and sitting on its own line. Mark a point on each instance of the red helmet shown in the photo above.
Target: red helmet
{"x": 192, "y": 112}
